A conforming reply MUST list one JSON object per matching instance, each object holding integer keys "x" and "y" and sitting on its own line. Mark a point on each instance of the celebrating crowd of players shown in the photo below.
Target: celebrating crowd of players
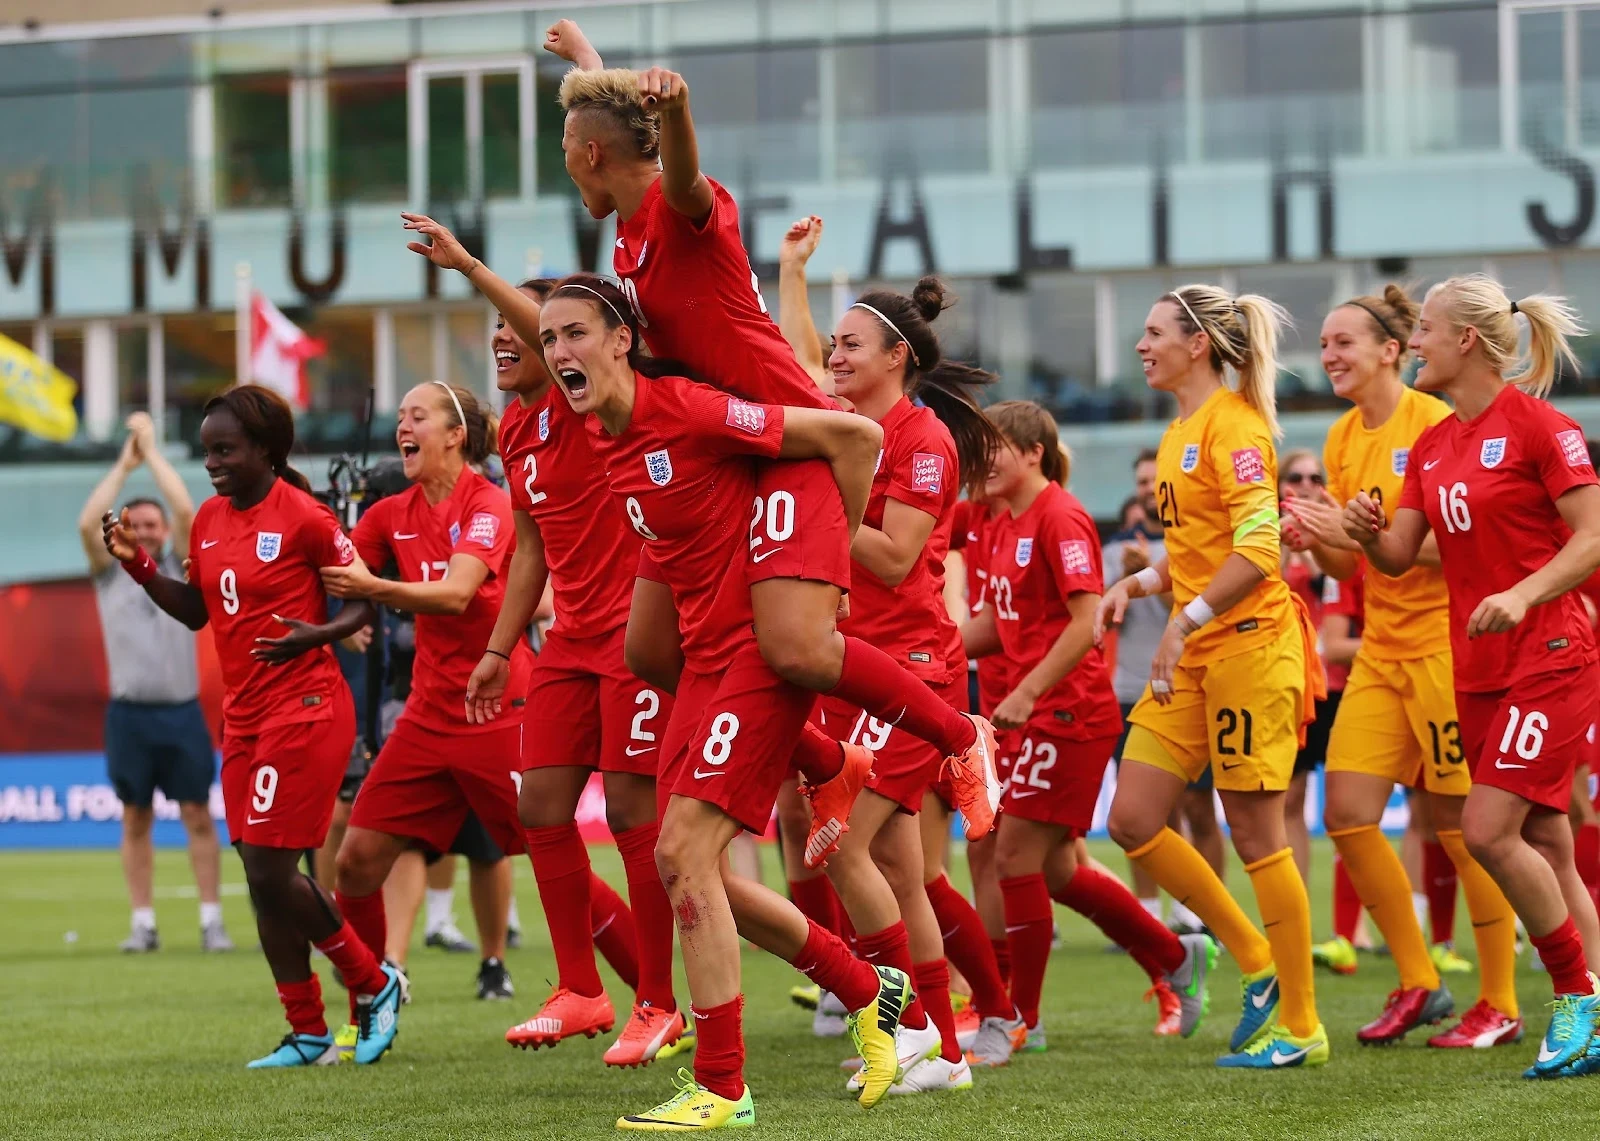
{"x": 700, "y": 488}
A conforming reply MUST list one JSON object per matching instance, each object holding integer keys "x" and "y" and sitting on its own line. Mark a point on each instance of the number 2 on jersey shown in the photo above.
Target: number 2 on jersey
{"x": 531, "y": 467}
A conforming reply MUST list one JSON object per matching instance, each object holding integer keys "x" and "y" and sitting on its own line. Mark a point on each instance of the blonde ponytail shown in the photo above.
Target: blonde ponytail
{"x": 1244, "y": 333}
{"x": 1479, "y": 302}
{"x": 1065, "y": 476}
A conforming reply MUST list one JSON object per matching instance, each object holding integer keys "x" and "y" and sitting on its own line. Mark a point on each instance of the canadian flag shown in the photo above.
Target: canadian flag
{"x": 279, "y": 350}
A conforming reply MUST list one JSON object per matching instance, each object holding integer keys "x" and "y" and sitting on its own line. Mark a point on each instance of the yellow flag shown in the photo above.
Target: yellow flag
{"x": 34, "y": 395}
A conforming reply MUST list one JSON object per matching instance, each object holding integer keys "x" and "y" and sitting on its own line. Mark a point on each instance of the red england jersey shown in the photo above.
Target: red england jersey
{"x": 250, "y": 565}
{"x": 1345, "y": 600}
{"x": 972, "y": 533}
{"x": 682, "y": 472}
{"x": 590, "y": 549}
{"x": 917, "y": 467}
{"x": 1489, "y": 488}
{"x": 1040, "y": 558}
{"x": 698, "y": 301}
{"x": 418, "y": 539}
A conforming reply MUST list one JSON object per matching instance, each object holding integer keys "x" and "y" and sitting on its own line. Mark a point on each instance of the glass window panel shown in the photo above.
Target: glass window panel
{"x": 144, "y": 58}
{"x": 548, "y": 122}
{"x": 1455, "y": 66}
{"x": 339, "y": 379}
{"x": 502, "y": 119}
{"x": 200, "y": 364}
{"x": 494, "y": 33}
{"x": 368, "y": 42}
{"x": 367, "y": 135}
{"x": 1580, "y": 282}
{"x": 413, "y": 351}
{"x": 1287, "y": 87}
{"x": 917, "y": 104}
{"x": 1589, "y": 74}
{"x": 1307, "y": 293}
{"x": 756, "y": 112}
{"x": 447, "y": 139}
{"x": 1541, "y": 103}
{"x": 66, "y": 353}
{"x": 258, "y": 50}
{"x": 1061, "y": 315}
{"x": 252, "y": 114}
{"x": 468, "y": 348}
{"x": 1111, "y": 96}
{"x": 133, "y": 370}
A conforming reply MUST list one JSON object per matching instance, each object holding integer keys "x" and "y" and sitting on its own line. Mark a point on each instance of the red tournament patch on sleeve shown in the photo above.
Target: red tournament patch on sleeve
{"x": 1248, "y": 466}
{"x": 345, "y": 549}
{"x": 747, "y": 417}
{"x": 1075, "y": 557}
{"x": 1573, "y": 448}
{"x": 927, "y": 472}
{"x": 484, "y": 528}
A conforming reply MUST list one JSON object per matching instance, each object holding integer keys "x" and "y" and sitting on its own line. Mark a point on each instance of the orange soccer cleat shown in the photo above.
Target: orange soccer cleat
{"x": 831, "y": 803}
{"x": 651, "y": 1033}
{"x": 564, "y": 1015}
{"x": 975, "y": 781}
{"x": 1169, "y": 1009}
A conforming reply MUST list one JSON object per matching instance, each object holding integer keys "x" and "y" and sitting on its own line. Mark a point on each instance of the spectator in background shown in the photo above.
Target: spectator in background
{"x": 156, "y": 736}
{"x": 1137, "y": 545}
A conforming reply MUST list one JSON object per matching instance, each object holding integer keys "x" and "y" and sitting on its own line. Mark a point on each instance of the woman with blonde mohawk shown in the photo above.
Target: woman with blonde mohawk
{"x": 1507, "y": 490}
{"x": 1236, "y": 673}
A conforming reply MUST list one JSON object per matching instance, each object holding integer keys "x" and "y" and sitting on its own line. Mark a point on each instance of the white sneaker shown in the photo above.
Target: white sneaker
{"x": 933, "y": 1074}
{"x": 827, "y": 1021}
{"x": 912, "y": 1046}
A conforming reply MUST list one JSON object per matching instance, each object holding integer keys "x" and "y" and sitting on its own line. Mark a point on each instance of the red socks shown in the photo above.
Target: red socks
{"x": 1107, "y": 903}
{"x": 1586, "y": 854}
{"x": 614, "y": 934}
{"x": 357, "y": 966}
{"x": 1002, "y": 959}
{"x": 652, "y": 914}
{"x": 1346, "y": 901}
{"x": 817, "y": 901}
{"x": 1439, "y": 880}
{"x": 967, "y": 945}
{"x": 1561, "y": 952}
{"x": 818, "y": 756}
{"x": 365, "y": 913}
{"x": 891, "y": 948}
{"x": 302, "y": 1006}
{"x": 932, "y": 981}
{"x": 1029, "y": 925}
{"x": 826, "y": 961}
{"x": 877, "y": 683}
{"x": 561, "y": 866}
{"x": 719, "y": 1052}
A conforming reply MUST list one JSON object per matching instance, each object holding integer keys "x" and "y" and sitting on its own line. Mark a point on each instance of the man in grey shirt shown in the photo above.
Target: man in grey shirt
{"x": 156, "y": 735}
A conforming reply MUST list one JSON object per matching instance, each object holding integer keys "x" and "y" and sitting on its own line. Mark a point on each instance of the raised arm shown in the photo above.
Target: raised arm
{"x": 685, "y": 189}
{"x": 445, "y": 250}
{"x": 794, "y": 306}
{"x": 565, "y": 39}
{"x": 91, "y": 520}
{"x": 450, "y": 594}
{"x": 168, "y": 482}
{"x": 179, "y": 599}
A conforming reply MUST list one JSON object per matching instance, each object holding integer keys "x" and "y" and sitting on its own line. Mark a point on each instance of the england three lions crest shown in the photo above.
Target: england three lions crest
{"x": 1191, "y": 457}
{"x": 659, "y": 467}
{"x": 1024, "y": 551}
{"x": 1398, "y": 459}
{"x": 268, "y": 545}
{"x": 544, "y": 424}
{"x": 1492, "y": 452}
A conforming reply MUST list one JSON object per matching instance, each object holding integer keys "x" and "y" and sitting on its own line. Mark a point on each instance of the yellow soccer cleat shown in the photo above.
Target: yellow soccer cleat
{"x": 1447, "y": 962}
{"x": 693, "y": 1107}
{"x": 1337, "y": 954}
{"x": 806, "y": 997}
{"x": 872, "y": 1030}
{"x": 344, "y": 1039}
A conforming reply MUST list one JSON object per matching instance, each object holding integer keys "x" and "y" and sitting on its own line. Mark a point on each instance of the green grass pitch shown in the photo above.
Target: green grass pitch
{"x": 100, "y": 1045}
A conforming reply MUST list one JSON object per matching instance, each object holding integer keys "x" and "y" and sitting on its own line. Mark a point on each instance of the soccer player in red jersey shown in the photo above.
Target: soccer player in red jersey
{"x": 630, "y": 149}
{"x": 255, "y": 553}
{"x": 588, "y": 711}
{"x": 1507, "y": 488}
{"x": 448, "y": 537}
{"x": 678, "y": 458}
{"x": 1044, "y": 583}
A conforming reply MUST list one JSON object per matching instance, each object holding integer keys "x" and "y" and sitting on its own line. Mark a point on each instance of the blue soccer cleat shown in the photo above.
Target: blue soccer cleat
{"x": 1573, "y": 1022}
{"x": 300, "y": 1050}
{"x": 1278, "y": 1049}
{"x": 1258, "y": 997}
{"x": 378, "y": 1018}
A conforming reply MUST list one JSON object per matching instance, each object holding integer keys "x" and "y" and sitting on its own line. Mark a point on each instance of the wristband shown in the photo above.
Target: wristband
{"x": 1149, "y": 580}
{"x": 1199, "y": 612}
{"x": 141, "y": 568}
{"x": 498, "y": 654}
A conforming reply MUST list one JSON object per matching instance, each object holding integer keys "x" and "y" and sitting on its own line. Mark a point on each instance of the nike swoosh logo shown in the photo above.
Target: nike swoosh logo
{"x": 398, "y": 535}
{"x": 1018, "y": 927}
{"x": 620, "y": 246}
{"x": 256, "y": 819}
{"x": 207, "y": 544}
{"x": 1018, "y": 794}
{"x": 1281, "y": 1059}
{"x": 1260, "y": 1001}
{"x": 1429, "y": 465}
{"x": 1499, "y": 763}
{"x": 1548, "y": 1055}
{"x": 632, "y": 752}
{"x": 698, "y": 775}
{"x": 764, "y": 555}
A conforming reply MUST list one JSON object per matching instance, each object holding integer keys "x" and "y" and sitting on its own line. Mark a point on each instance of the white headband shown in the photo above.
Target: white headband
{"x": 597, "y": 293}
{"x": 1198, "y": 327}
{"x": 893, "y": 328}
{"x": 460, "y": 415}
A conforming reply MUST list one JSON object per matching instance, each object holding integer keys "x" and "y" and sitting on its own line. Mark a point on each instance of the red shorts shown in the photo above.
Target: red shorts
{"x": 904, "y": 767}
{"x": 731, "y": 739}
{"x": 1056, "y": 781}
{"x": 279, "y": 785}
{"x": 799, "y": 530}
{"x": 585, "y": 709}
{"x": 1534, "y": 753}
{"x": 424, "y": 782}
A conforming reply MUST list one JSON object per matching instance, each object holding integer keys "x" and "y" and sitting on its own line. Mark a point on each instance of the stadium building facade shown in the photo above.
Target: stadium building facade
{"x": 1062, "y": 161}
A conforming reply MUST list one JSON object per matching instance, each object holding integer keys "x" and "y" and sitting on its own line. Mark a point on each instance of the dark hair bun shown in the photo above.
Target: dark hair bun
{"x": 1402, "y": 303}
{"x": 930, "y": 297}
